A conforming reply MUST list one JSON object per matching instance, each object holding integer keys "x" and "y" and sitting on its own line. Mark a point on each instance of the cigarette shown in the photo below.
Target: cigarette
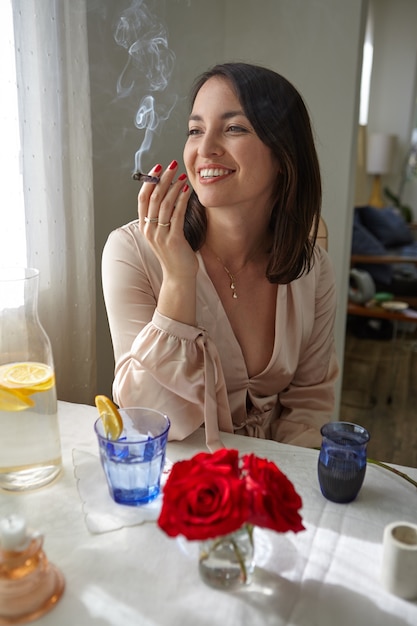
{"x": 145, "y": 178}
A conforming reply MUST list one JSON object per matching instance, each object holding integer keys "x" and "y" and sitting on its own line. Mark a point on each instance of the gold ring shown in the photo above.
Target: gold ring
{"x": 151, "y": 220}
{"x": 161, "y": 224}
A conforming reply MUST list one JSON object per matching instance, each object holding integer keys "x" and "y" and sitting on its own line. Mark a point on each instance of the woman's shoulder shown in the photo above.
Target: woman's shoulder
{"x": 323, "y": 272}
{"x": 128, "y": 235}
{"x": 126, "y": 242}
{"x": 126, "y": 232}
{"x": 321, "y": 260}
{"x": 320, "y": 277}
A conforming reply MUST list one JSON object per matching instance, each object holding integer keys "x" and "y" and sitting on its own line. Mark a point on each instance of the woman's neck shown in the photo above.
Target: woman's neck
{"x": 235, "y": 243}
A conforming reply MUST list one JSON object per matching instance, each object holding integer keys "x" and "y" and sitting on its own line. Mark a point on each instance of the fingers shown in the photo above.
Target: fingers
{"x": 145, "y": 194}
{"x": 177, "y": 216}
{"x": 157, "y": 203}
{"x": 165, "y": 208}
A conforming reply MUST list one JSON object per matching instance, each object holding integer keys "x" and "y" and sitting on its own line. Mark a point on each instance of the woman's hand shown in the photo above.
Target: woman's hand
{"x": 161, "y": 210}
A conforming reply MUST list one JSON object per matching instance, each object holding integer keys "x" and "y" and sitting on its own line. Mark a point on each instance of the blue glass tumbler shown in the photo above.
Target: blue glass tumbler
{"x": 342, "y": 460}
{"x": 133, "y": 464}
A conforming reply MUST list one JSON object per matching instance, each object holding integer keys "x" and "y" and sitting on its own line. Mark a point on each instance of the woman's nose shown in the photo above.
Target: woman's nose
{"x": 210, "y": 144}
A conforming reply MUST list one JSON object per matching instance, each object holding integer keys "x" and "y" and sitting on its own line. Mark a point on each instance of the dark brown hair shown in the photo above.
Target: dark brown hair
{"x": 280, "y": 118}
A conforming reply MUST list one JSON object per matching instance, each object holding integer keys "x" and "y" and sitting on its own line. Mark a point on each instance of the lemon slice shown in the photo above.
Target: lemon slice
{"x": 112, "y": 421}
{"x": 18, "y": 381}
{"x": 28, "y": 377}
{"x": 14, "y": 400}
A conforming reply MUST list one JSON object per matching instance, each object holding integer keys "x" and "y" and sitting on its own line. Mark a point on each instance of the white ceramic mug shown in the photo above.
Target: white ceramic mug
{"x": 399, "y": 560}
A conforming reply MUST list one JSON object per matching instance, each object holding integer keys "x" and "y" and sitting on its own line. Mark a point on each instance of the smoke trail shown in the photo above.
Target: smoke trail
{"x": 150, "y": 63}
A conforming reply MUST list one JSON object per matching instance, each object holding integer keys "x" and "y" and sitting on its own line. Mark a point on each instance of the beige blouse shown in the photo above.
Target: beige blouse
{"x": 197, "y": 375}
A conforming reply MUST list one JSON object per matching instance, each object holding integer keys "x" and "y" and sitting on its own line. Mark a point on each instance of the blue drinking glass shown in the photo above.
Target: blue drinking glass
{"x": 133, "y": 464}
{"x": 342, "y": 460}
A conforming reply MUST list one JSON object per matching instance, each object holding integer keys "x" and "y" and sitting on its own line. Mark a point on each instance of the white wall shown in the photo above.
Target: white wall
{"x": 316, "y": 45}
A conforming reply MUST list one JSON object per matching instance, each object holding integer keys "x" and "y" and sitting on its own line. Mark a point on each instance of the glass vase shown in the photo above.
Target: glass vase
{"x": 30, "y": 448}
{"x": 227, "y": 562}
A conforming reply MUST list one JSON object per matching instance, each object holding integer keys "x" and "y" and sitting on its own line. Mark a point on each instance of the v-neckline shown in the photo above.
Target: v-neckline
{"x": 280, "y": 294}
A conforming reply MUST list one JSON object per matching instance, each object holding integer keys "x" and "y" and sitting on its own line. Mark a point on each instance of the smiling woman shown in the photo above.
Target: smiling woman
{"x": 220, "y": 304}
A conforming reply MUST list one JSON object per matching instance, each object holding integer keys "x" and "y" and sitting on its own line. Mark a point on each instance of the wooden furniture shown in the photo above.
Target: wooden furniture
{"x": 385, "y": 246}
{"x": 323, "y": 234}
{"x": 378, "y": 312}
{"x": 361, "y": 259}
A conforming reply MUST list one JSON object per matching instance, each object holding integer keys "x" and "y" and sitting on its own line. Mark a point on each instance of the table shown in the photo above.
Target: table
{"x": 137, "y": 576}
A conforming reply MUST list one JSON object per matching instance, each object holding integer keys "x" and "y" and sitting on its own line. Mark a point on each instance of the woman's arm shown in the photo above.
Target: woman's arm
{"x": 159, "y": 362}
{"x": 161, "y": 211}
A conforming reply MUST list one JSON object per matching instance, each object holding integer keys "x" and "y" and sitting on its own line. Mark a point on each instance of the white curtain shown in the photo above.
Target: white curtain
{"x": 54, "y": 100}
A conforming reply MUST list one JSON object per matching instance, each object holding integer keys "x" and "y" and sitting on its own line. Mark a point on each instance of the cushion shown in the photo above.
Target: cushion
{"x": 364, "y": 242}
{"x": 387, "y": 225}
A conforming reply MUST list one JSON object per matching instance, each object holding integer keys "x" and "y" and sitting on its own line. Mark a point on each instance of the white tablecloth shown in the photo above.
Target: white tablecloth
{"x": 325, "y": 576}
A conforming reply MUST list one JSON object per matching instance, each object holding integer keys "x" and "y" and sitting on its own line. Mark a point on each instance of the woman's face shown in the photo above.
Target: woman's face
{"x": 226, "y": 162}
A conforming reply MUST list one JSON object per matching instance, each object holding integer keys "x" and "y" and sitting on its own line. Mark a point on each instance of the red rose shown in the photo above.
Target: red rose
{"x": 222, "y": 461}
{"x": 274, "y": 503}
{"x": 204, "y": 497}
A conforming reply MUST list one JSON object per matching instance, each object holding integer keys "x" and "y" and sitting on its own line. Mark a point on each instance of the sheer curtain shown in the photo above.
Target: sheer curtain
{"x": 54, "y": 102}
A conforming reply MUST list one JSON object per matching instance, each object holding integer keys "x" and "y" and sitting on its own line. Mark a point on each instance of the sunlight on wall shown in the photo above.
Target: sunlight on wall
{"x": 368, "y": 51}
{"x": 12, "y": 216}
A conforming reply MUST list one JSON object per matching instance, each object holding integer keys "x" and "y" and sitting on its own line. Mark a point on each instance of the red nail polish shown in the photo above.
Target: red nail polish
{"x": 185, "y": 188}
{"x": 173, "y": 165}
{"x": 157, "y": 168}
{"x": 182, "y": 177}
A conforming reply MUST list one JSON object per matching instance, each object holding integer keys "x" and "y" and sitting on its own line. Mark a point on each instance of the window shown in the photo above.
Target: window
{"x": 12, "y": 215}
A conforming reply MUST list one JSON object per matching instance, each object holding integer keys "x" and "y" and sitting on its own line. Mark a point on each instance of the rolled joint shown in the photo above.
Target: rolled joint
{"x": 145, "y": 178}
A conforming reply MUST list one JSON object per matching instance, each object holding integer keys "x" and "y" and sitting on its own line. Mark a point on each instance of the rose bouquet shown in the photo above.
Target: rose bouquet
{"x": 213, "y": 495}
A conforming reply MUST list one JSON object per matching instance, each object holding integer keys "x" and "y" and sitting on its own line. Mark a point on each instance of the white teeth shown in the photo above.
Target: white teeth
{"x": 212, "y": 173}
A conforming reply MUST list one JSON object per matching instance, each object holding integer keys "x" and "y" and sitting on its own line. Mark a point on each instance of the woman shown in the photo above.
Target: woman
{"x": 221, "y": 307}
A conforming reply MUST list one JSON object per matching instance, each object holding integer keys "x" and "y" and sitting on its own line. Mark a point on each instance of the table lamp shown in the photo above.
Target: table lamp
{"x": 378, "y": 163}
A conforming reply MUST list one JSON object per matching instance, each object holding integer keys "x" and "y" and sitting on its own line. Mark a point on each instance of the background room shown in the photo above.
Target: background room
{"x": 79, "y": 149}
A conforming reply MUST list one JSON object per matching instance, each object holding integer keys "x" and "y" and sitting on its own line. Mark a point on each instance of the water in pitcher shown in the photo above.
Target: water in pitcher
{"x": 30, "y": 450}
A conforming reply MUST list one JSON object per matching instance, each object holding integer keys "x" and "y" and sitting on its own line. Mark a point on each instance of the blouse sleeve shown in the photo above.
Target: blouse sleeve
{"x": 308, "y": 402}
{"x": 159, "y": 362}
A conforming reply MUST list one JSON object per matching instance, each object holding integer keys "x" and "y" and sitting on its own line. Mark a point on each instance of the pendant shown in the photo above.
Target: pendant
{"x": 233, "y": 288}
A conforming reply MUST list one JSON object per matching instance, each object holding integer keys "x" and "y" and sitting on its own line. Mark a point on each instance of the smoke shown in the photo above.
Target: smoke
{"x": 149, "y": 66}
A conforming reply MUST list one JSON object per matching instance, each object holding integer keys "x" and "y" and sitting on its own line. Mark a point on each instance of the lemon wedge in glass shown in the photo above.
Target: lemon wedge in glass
{"x": 14, "y": 400}
{"x": 110, "y": 416}
{"x": 18, "y": 381}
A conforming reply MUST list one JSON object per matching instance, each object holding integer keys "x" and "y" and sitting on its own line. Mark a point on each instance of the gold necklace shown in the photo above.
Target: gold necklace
{"x": 232, "y": 277}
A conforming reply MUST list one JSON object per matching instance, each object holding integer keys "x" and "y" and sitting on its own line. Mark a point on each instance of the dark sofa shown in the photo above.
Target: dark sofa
{"x": 384, "y": 235}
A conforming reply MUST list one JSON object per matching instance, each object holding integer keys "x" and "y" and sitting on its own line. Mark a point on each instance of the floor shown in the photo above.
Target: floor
{"x": 380, "y": 392}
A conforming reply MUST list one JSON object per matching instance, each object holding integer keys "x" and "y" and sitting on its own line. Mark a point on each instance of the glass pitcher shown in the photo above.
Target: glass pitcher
{"x": 30, "y": 448}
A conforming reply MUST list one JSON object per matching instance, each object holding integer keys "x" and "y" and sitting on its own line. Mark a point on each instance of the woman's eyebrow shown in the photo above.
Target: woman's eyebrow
{"x": 224, "y": 116}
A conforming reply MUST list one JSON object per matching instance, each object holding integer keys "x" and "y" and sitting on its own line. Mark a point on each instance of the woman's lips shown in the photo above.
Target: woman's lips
{"x": 213, "y": 173}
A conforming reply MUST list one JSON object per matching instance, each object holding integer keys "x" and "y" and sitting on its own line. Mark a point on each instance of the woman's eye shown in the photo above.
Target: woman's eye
{"x": 193, "y": 131}
{"x": 234, "y": 128}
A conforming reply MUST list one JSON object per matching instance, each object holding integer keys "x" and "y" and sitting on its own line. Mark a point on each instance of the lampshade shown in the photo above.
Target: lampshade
{"x": 379, "y": 153}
